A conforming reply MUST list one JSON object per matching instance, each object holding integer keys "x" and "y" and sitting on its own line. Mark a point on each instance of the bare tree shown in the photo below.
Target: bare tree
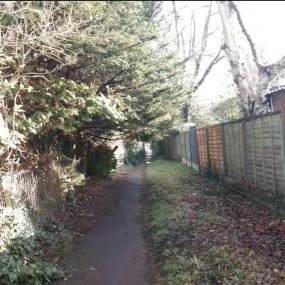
{"x": 194, "y": 52}
{"x": 252, "y": 86}
{"x": 198, "y": 53}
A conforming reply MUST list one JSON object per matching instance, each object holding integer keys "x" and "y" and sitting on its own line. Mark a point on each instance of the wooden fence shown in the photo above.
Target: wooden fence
{"x": 248, "y": 154}
{"x": 202, "y": 147}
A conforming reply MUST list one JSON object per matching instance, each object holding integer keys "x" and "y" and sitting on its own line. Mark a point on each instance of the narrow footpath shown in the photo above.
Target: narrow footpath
{"x": 113, "y": 252}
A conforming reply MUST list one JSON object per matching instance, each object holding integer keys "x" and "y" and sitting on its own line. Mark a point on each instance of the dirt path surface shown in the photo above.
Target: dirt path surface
{"x": 113, "y": 252}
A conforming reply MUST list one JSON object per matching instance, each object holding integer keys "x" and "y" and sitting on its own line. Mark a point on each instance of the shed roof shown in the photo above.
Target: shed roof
{"x": 275, "y": 89}
{"x": 271, "y": 92}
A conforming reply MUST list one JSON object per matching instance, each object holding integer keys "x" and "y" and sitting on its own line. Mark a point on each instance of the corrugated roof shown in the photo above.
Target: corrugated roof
{"x": 275, "y": 89}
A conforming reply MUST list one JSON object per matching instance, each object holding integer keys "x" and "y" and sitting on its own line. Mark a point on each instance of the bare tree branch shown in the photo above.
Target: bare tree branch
{"x": 192, "y": 40}
{"x": 203, "y": 45}
{"x": 176, "y": 24}
{"x": 245, "y": 32}
{"x": 208, "y": 70}
{"x": 206, "y": 29}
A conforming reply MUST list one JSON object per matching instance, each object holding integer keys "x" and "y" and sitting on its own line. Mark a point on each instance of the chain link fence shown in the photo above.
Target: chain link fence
{"x": 27, "y": 198}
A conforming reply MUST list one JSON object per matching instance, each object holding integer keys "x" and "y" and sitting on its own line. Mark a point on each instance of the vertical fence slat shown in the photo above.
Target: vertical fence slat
{"x": 245, "y": 157}
{"x": 273, "y": 160}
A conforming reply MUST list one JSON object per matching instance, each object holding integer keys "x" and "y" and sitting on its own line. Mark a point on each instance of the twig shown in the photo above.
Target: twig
{"x": 148, "y": 228}
{"x": 196, "y": 261}
{"x": 235, "y": 203}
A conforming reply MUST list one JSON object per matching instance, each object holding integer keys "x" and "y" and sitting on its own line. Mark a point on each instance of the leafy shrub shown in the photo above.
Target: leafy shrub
{"x": 134, "y": 153}
{"x": 100, "y": 161}
{"x": 70, "y": 179}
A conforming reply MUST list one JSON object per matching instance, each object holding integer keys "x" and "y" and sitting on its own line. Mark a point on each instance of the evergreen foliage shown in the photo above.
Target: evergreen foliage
{"x": 82, "y": 69}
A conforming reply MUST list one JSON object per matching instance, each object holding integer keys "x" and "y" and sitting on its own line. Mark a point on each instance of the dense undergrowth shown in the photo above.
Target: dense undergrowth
{"x": 32, "y": 237}
{"x": 30, "y": 261}
{"x": 202, "y": 234}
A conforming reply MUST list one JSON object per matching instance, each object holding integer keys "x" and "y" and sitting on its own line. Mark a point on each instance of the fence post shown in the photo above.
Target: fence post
{"x": 272, "y": 153}
{"x": 198, "y": 151}
{"x": 244, "y": 152}
{"x": 180, "y": 140}
{"x": 283, "y": 138}
{"x": 190, "y": 148}
{"x": 185, "y": 147}
{"x": 172, "y": 147}
{"x": 207, "y": 147}
{"x": 224, "y": 149}
{"x": 195, "y": 140}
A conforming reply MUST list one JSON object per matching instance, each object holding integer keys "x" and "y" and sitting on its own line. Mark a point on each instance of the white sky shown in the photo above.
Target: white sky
{"x": 265, "y": 23}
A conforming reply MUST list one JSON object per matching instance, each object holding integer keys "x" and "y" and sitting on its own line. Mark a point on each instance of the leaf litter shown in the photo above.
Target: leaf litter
{"x": 202, "y": 233}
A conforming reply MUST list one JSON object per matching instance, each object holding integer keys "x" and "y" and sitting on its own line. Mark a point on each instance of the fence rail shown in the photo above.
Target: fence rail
{"x": 248, "y": 154}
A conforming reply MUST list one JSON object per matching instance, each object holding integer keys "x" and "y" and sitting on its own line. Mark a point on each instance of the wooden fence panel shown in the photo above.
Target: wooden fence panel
{"x": 188, "y": 148}
{"x": 167, "y": 146}
{"x": 235, "y": 167}
{"x": 177, "y": 147}
{"x": 202, "y": 148}
{"x": 215, "y": 148}
{"x": 173, "y": 148}
{"x": 183, "y": 147}
{"x": 265, "y": 155}
{"x": 248, "y": 154}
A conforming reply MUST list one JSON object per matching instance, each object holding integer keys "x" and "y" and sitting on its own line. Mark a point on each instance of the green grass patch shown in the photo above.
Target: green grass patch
{"x": 166, "y": 187}
{"x": 171, "y": 217}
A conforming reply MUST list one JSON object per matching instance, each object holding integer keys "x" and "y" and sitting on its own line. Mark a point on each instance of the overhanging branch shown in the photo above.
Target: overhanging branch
{"x": 208, "y": 70}
{"x": 245, "y": 32}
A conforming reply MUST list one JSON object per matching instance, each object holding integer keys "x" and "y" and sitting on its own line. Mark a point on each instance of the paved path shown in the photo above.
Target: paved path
{"x": 113, "y": 252}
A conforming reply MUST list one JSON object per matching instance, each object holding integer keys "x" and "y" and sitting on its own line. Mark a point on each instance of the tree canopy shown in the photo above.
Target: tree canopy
{"x": 83, "y": 70}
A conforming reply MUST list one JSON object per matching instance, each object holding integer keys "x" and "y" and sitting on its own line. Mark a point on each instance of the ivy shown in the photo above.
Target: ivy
{"x": 23, "y": 261}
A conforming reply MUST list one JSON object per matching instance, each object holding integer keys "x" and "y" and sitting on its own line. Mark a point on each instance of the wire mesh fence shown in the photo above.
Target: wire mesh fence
{"x": 27, "y": 199}
{"x": 2, "y": 199}
{"x": 23, "y": 189}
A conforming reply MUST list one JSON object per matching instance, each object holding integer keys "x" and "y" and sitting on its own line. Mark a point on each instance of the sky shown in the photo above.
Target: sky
{"x": 265, "y": 23}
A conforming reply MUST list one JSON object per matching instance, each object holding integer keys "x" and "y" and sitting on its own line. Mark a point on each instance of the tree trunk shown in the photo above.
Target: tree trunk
{"x": 239, "y": 69}
{"x": 251, "y": 90}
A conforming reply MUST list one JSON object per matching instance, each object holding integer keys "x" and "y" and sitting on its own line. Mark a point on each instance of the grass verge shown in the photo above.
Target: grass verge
{"x": 200, "y": 233}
